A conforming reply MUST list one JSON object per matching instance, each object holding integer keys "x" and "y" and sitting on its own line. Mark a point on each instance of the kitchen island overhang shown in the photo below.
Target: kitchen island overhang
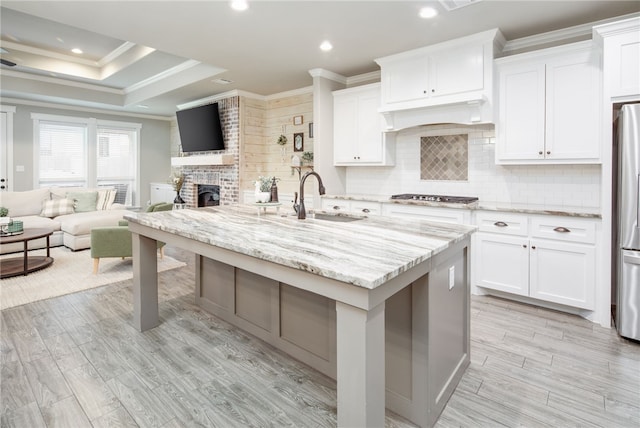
{"x": 376, "y": 283}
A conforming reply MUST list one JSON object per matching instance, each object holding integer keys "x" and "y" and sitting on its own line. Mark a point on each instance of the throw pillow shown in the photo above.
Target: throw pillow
{"x": 105, "y": 199}
{"x": 84, "y": 201}
{"x": 56, "y": 207}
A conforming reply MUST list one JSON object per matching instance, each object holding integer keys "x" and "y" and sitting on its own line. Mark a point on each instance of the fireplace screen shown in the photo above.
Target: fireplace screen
{"x": 208, "y": 195}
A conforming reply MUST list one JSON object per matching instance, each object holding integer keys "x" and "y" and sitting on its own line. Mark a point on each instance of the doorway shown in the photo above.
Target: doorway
{"x": 6, "y": 148}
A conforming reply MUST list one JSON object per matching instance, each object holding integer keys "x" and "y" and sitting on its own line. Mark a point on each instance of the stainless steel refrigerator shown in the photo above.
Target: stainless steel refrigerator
{"x": 628, "y": 222}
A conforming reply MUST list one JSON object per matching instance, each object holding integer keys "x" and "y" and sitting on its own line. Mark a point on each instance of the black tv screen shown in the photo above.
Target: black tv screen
{"x": 200, "y": 129}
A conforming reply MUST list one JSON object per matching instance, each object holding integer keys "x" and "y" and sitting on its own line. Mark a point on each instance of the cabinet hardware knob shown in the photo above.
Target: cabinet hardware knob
{"x": 500, "y": 224}
{"x": 561, "y": 229}
{"x": 548, "y": 152}
{"x": 336, "y": 207}
{"x": 424, "y": 92}
{"x": 540, "y": 152}
{"x": 533, "y": 247}
{"x": 433, "y": 91}
{"x": 365, "y": 210}
{"x": 2, "y": 180}
{"x": 2, "y": 187}
{"x": 524, "y": 245}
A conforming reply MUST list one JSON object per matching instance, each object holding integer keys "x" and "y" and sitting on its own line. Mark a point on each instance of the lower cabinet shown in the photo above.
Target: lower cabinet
{"x": 548, "y": 258}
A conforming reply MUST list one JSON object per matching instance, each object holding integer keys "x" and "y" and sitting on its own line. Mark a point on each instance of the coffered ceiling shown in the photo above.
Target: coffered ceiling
{"x": 148, "y": 57}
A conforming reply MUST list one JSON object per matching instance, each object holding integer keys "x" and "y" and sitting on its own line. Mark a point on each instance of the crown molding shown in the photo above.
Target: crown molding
{"x": 321, "y": 72}
{"x": 83, "y": 109}
{"x": 12, "y": 46}
{"x": 111, "y": 56}
{"x": 58, "y": 81}
{"x": 163, "y": 75}
{"x": 371, "y": 77}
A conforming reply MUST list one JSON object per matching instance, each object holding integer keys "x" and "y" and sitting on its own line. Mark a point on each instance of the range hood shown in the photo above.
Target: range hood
{"x": 449, "y": 82}
{"x": 466, "y": 112}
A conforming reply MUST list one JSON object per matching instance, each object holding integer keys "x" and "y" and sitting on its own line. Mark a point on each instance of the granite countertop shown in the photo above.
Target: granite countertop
{"x": 479, "y": 205}
{"x": 366, "y": 253}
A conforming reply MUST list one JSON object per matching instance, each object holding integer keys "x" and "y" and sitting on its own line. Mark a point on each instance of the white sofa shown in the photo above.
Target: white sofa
{"x": 72, "y": 230}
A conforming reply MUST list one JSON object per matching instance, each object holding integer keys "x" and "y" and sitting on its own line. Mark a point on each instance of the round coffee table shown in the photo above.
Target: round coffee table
{"x": 26, "y": 264}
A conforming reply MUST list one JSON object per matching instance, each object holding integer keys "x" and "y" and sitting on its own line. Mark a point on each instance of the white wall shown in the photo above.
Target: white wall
{"x": 545, "y": 186}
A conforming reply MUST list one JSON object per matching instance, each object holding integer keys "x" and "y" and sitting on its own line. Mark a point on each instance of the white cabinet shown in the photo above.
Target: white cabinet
{"x": 161, "y": 192}
{"x": 549, "y": 106}
{"x": 358, "y": 138}
{"x": 544, "y": 257}
{"x": 621, "y": 46}
{"x": 351, "y": 206}
{"x": 444, "y": 215}
{"x": 451, "y": 72}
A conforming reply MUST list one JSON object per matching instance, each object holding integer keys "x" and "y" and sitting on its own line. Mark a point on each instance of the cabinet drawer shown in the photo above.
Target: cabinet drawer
{"x": 365, "y": 207}
{"x": 335, "y": 205}
{"x": 444, "y": 215}
{"x": 503, "y": 223}
{"x": 563, "y": 229}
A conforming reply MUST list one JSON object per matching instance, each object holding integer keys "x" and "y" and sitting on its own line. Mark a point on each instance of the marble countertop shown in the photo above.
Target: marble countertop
{"x": 479, "y": 205}
{"x": 366, "y": 253}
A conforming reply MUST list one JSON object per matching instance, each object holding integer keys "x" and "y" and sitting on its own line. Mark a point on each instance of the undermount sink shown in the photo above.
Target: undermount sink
{"x": 336, "y": 218}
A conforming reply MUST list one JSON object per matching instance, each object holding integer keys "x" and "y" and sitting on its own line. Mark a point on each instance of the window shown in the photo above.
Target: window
{"x": 87, "y": 152}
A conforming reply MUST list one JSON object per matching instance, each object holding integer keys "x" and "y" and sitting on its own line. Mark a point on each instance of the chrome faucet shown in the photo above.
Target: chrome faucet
{"x": 301, "y": 211}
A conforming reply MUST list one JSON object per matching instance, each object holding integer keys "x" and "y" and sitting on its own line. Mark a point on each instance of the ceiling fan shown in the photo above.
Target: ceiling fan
{"x": 6, "y": 61}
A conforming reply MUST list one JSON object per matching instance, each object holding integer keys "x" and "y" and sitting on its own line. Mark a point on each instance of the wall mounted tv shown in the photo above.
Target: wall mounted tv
{"x": 200, "y": 129}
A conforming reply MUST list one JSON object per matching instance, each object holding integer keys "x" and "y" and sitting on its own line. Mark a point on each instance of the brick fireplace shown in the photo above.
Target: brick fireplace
{"x": 227, "y": 177}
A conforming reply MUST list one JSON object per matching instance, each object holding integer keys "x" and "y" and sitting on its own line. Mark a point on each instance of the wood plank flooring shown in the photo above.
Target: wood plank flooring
{"x": 76, "y": 361}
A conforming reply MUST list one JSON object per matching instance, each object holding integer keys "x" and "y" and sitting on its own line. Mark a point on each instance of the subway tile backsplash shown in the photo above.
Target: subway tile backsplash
{"x": 546, "y": 186}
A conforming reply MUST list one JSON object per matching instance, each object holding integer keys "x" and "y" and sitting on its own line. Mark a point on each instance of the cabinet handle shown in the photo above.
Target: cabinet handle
{"x": 500, "y": 224}
{"x": 365, "y": 210}
{"x": 561, "y": 229}
{"x": 336, "y": 207}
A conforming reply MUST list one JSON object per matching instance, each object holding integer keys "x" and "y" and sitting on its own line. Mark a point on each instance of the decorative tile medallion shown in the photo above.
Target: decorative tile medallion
{"x": 444, "y": 157}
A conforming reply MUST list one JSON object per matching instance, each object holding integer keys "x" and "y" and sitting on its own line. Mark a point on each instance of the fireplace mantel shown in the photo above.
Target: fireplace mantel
{"x": 203, "y": 160}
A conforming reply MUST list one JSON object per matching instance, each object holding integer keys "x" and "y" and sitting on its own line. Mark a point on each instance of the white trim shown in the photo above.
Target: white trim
{"x": 371, "y": 77}
{"x": 62, "y": 82}
{"x": 85, "y": 109}
{"x": 558, "y": 36}
{"x": 111, "y": 56}
{"x": 321, "y": 72}
{"x": 291, "y": 93}
{"x": 9, "y": 111}
{"x": 48, "y": 54}
{"x": 186, "y": 65}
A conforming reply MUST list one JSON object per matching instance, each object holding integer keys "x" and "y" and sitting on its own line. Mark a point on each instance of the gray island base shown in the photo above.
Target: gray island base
{"x": 379, "y": 304}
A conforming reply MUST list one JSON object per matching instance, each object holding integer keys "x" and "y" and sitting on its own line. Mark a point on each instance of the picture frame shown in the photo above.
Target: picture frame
{"x": 298, "y": 142}
{"x": 310, "y": 129}
{"x": 297, "y": 120}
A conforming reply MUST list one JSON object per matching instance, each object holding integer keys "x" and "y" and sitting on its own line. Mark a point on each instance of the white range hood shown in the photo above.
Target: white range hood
{"x": 450, "y": 82}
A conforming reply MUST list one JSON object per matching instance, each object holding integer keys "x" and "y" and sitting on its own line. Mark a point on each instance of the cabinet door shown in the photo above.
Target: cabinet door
{"x": 345, "y": 124}
{"x": 573, "y": 107}
{"x": 623, "y": 56}
{"x": 369, "y": 128}
{"x": 502, "y": 263}
{"x": 405, "y": 80}
{"x": 520, "y": 129}
{"x": 457, "y": 70}
{"x": 563, "y": 273}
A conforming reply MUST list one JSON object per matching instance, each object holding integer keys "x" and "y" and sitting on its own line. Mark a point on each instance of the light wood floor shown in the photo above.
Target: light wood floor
{"x": 75, "y": 361}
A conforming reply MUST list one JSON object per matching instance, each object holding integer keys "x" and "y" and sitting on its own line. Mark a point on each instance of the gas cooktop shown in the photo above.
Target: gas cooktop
{"x": 436, "y": 198}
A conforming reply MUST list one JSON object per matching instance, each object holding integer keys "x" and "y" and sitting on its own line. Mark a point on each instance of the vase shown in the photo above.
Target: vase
{"x": 263, "y": 197}
{"x": 178, "y": 199}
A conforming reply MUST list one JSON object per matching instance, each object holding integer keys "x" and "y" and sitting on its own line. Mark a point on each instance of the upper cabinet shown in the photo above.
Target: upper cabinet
{"x": 458, "y": 72}
{"x": 620, "y": 42}
{"x": 358, "y": 137}
{"x": 550, "y": 106}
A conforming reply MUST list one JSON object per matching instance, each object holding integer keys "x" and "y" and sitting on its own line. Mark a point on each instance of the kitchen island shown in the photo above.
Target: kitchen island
{"x": 379, "y": 304}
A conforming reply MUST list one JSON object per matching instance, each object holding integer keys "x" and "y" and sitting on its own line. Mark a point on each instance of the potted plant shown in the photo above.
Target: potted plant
{"x": 307, "y": 158}
{"x": 177, "y": 180}
{"x": 263, "y": 189}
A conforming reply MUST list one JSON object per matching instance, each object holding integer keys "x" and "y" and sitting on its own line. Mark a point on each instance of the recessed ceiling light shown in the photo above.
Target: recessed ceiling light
{"x": 222, "y": 81}
{"x": 326, "y": 46}
{"x": 239, "y": 5}
{"x": 428, "y": 12}
{"x": 76, "y": 51}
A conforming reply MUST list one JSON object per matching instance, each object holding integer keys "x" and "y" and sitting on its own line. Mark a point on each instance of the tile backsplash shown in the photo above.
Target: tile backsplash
{"x": 444, "y": 157}
{"x": 548, "y": 186}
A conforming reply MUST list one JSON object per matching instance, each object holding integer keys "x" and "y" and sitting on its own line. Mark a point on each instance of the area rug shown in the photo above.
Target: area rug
{"x": 70, "y": 272}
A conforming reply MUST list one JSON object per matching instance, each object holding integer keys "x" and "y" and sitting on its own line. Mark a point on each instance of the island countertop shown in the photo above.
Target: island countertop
{"x": 367, "y": 252}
